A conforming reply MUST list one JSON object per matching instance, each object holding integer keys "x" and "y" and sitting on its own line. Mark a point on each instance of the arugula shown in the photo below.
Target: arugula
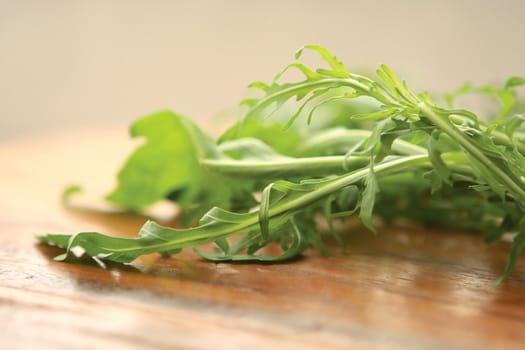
{"x": 168, "y": 166}
{"x": 377, "y": 148}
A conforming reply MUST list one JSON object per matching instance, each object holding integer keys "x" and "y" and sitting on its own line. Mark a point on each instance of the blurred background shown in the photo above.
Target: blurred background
{"x": 68, "y": 64}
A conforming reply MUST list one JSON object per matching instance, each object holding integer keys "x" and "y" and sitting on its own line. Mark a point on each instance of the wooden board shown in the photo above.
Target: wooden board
{"x": 404, "y": 288}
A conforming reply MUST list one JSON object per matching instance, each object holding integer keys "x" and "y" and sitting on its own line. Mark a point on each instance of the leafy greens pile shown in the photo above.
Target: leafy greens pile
{"x": 371, "y": 147}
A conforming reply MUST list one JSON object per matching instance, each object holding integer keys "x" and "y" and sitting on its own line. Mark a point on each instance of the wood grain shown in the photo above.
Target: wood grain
{"x": 404, "y": 288}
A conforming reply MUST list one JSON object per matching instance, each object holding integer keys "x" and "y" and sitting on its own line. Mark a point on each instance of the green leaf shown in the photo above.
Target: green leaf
{"x": 168, "y": 166}
{"x": 338, "y": 68}
{"x": 514, "y": 82}
{"x": 518, "y": 243}
{"x": 308, "y": 73}
{"x": 368, "y": 201}
{"x": 441, "y": 171}
{"x": 70, "y": 191}
{"x": 168, "y": 161}
{"x": 330, "y": 166}
{"x": 269, "y": 131}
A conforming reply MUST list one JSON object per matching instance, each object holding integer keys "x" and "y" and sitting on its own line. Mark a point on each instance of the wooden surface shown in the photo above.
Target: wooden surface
{"x": 404, "y": 288}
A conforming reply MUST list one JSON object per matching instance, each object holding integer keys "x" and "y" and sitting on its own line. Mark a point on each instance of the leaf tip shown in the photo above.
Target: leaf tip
{"x": 69, "y": 191}
{"x": 299, "y": 52}
{"x": 61, "y": 257}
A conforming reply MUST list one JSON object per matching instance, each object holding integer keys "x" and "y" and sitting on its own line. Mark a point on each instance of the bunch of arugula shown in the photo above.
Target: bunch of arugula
{"x": 372, "y": 147}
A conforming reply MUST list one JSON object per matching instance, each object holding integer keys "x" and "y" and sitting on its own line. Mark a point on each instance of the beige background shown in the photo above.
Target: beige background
{"x": 80, "y": 64}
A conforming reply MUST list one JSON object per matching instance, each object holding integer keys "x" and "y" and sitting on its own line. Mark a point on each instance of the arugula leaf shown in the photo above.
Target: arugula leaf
{"x": 269, "y": 131}
{"x": 166, "y": 163}
{"x": 167, "y": 166}
{"x": 219, "y": 224}
{"x": 402, "y": 156}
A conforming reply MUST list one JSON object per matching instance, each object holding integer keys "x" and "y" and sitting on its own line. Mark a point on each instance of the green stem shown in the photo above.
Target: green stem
{"x": 460, "y": 138}
{"x": 350, "y": 137}
{"x": 199, "y": 235}
{"x": 312, "y": 85}
{"x": 346, "y": 180}
{"x": 499, "y": 137}
{"x": 180, "y": 238}
{"x": 314, "y": 166}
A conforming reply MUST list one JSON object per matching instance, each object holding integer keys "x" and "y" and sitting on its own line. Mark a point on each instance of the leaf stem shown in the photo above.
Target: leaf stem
{"x": 309, "y": 86}
{"x": 460, "y": 138}
{"x": 315, "y": 166}
{"x": 204, "y": 234}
